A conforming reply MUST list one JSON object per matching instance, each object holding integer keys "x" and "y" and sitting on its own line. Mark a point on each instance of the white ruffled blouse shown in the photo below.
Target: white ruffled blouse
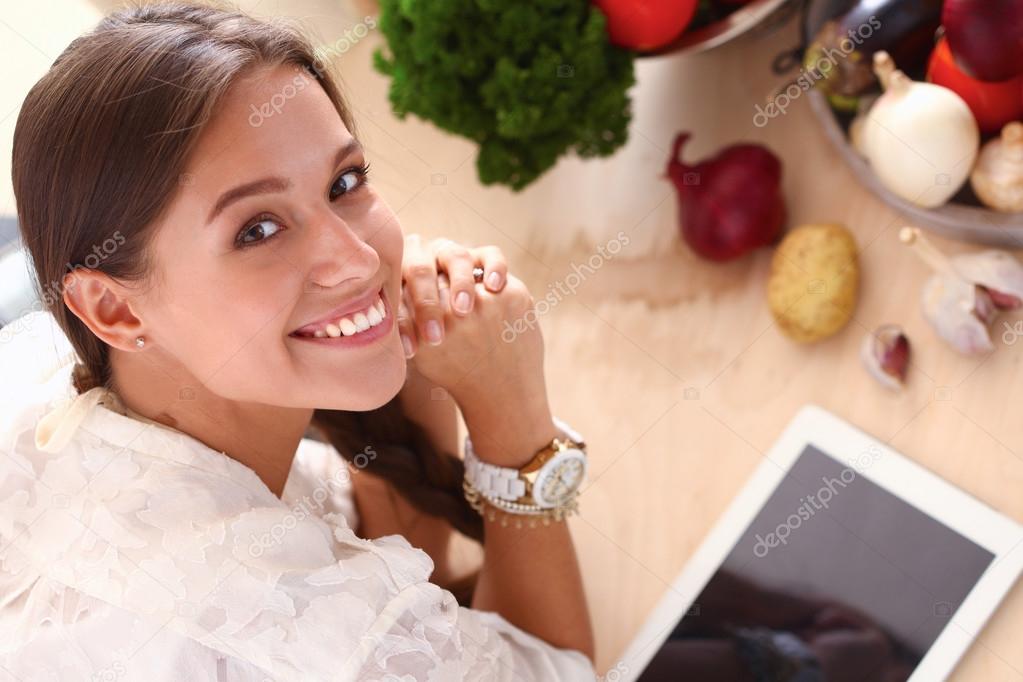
{"x": 132, "y": 551}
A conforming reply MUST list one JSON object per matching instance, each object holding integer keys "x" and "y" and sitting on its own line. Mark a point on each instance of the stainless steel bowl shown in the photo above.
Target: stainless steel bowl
{"x": 766, "y": 13}
{"x": 961, "y": 221}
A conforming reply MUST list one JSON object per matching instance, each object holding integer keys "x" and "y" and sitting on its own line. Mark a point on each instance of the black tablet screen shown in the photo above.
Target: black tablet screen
{"x": 835, "y": 579}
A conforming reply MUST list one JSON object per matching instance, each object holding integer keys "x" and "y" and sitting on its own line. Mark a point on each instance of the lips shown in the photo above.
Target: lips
{"x": 350, "y": 319}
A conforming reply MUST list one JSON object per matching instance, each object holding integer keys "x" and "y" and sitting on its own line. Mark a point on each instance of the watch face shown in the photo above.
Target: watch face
{"x": 560, "y": 478}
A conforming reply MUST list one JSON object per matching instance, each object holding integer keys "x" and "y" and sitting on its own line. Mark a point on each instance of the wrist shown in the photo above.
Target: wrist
{"x": 543, "y": 487}
{"x": 511, "y": 440}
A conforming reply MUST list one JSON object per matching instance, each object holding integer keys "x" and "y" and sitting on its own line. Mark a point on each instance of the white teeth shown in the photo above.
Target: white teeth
{"x": 347, "y": 326}
{"x": 359, "y": 322}
{"x": 374, "y": 316}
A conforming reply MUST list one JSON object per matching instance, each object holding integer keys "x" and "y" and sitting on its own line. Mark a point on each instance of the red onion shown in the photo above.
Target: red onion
{"x": 986, "y": 37}
{"x": 730, "y": 204}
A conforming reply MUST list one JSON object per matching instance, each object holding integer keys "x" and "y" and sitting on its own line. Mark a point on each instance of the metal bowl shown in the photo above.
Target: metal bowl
{"x": 739, "y": 22}
{"x": 962, "y": 218}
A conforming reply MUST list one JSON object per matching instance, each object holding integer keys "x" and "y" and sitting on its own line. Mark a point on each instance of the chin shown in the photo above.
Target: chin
{"x": 386, "y": 382}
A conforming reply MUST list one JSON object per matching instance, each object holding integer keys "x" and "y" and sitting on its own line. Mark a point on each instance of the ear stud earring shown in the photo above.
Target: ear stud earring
{"x": 139, "y": 341}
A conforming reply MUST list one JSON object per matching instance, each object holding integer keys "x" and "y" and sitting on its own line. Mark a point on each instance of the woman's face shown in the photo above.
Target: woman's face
{"x": 274, "y": 227}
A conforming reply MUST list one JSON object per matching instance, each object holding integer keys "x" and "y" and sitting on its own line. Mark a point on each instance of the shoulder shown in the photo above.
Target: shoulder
{"x": 172, "y": 539}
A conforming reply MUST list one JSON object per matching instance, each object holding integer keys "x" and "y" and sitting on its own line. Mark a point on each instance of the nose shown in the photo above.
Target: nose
{"x": 338, "y": 253}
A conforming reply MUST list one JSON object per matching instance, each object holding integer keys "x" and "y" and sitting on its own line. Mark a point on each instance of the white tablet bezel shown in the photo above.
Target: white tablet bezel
{"x": 897, "y": 474}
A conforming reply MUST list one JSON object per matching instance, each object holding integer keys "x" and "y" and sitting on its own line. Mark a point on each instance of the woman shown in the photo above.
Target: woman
{"x": 227, "y": 282}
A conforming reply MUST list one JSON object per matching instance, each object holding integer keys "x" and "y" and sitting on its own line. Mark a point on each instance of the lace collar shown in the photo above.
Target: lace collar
{"x": 101, "y": 415}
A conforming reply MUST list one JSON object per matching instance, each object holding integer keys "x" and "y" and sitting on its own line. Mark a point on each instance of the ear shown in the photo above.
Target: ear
{"x": 103, "y": 305}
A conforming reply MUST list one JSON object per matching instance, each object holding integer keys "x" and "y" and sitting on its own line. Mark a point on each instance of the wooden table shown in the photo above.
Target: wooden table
{"x": 670, "y": 366}
{"x": 673, "y": 367}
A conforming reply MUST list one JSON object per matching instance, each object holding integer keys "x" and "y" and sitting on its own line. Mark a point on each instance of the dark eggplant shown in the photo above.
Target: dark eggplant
{"x": 841, "y": 37}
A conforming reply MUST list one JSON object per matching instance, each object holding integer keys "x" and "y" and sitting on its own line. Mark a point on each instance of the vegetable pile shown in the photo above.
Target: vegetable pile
{"x": 964, "y": 60}
{"x": 528, "y": 81}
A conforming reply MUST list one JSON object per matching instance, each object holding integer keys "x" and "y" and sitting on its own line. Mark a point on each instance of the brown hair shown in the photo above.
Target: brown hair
{"x": 99, "y": 148}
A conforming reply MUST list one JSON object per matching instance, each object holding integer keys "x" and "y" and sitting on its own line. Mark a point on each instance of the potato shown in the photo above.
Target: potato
{"x": 814, "y": 281}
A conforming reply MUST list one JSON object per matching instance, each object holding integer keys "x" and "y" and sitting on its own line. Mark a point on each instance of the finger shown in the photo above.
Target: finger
{"x": 419, "y": 269}
{"x": 406, "y": 326}
{"x": 444, "y": 287}
{"x": 495, "y": 266}
{"x": 457, "y": 262}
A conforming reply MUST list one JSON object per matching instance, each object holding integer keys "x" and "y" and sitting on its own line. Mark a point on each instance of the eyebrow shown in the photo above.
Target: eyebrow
{"x": 271, "y": 184}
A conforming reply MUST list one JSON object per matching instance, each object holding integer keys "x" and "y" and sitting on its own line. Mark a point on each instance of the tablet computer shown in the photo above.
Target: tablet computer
{"x": 839, "y": 559}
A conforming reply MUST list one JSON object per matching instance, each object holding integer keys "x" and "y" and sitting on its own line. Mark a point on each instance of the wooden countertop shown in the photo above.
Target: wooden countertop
{"x": 673, "y": 367}
{"x": 670, "y": 366}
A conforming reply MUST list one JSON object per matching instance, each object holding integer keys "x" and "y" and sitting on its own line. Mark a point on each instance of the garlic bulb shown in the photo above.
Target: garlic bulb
{"x": 967, "y": 292}
{"x": 921, "y": 139}
{"x": 998, "y": 177}
{"x": 959, "y": 313}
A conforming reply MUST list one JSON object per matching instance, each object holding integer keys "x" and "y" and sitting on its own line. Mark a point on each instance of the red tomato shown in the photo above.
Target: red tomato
{"x": 646, "y": 24}
{"x": 992, "y": 104}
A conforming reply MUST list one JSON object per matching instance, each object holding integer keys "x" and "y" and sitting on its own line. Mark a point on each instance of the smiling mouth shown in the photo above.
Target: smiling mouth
{"x": 351, "y": 324}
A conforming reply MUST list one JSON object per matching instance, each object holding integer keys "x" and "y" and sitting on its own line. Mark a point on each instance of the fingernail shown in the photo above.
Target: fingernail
{"x": 433, "y": 331}
{"x": 494, "y": 280}
{"x": 462, "y": 302}
{"x": 407, "y": 344}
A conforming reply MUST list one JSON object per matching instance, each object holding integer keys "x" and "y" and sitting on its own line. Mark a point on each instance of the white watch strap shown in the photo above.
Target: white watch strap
{"x": 502, "y": 482}
{"x": 493, "y": 481}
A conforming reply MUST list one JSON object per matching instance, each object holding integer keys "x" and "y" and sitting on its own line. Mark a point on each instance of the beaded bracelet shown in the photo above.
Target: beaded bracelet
{"x": 489, "y": 508}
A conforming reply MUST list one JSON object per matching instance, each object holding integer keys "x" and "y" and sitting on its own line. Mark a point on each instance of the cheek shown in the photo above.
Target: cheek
{"x": 214, "y": 313}
{"x": 386, "y": 236}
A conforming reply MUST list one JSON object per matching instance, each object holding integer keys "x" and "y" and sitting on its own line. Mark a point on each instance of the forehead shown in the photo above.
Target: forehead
{"x": 277, "y": 116}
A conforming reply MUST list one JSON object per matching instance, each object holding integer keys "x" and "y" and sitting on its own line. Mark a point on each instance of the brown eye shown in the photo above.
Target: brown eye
{"x": 349, "y": 181}
{"x": 260, "y": 231}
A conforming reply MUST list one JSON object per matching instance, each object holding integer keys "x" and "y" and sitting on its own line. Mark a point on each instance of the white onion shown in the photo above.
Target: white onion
{"x": 921, "y": 139}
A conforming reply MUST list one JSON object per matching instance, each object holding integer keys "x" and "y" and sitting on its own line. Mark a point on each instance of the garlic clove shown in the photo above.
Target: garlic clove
{"x": 885, "y": 354}
{"x": 998, "y": 272}
{"x": 959, "y": 311}
{"x": 984, "y": 308}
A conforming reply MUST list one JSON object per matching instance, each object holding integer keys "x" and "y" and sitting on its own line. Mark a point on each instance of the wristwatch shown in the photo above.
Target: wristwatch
{"x": 550, "y": 479}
